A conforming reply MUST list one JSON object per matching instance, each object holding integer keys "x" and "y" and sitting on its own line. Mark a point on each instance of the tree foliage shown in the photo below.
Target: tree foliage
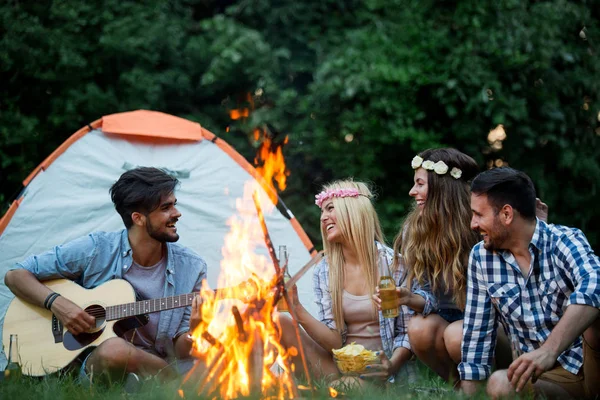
{"x": 359, "y": 86}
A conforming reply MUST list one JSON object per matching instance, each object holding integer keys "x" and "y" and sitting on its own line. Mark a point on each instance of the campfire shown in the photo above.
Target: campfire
{"x": 239, "y": 336}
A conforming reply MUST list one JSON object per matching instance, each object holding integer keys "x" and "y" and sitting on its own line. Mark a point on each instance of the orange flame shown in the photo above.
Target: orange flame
{"x": 239, "y": 113}
{"x": 270, "y": 162}
{"x": 332, "y": 392}
{"x": 246, "y": 349}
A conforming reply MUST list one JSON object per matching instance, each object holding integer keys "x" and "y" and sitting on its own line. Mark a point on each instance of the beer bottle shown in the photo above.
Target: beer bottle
{"x": 13, "y": 368}
{"x": 387, "y": 287}
{"x": 283, "y": 263}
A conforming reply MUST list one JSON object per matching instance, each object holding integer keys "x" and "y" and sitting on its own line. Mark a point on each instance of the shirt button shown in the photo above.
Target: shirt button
{"x": 124, "y": 253}
{"x": 124, "y": 266}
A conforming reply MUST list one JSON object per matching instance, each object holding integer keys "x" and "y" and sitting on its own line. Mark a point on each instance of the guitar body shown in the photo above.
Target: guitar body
{"x": 44, "y": 345}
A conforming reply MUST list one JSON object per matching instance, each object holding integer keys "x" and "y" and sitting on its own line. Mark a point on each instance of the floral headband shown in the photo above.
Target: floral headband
{"x": 328, "y": 194}
{"x": 439, "y": 167}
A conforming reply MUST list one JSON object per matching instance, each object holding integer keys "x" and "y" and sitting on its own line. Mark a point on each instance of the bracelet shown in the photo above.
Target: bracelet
{"x": 52, "y": 300}
{"x": 48, "y": 298}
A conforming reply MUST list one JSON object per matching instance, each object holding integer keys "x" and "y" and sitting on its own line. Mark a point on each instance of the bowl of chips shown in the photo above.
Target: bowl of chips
{"x": 353, "y": 358}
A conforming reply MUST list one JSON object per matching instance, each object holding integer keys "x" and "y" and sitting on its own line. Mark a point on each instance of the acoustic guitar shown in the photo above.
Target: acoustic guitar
{"x": 46, "y": 347}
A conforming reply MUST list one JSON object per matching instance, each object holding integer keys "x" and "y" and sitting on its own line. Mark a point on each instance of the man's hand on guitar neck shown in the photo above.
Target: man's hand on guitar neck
{"x": 73, "y": 317}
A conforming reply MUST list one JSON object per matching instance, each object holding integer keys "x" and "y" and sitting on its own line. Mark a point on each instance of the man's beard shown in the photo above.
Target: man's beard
{"x": 500, "y": 236}
{"x": 162, "y": 237}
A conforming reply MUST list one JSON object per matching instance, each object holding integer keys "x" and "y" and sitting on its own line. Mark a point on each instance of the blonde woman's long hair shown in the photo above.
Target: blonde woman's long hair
{"x": 359, "y": 226}
{"x": 435, "y": 243}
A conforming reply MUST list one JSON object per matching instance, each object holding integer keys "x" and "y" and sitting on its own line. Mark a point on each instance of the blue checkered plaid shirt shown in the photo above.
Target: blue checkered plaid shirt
{"x": 392, "y": 330}
{"x": 564, "y": 270}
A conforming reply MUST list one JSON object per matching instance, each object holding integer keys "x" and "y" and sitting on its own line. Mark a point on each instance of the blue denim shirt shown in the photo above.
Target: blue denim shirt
{"x": 101, "y": 256}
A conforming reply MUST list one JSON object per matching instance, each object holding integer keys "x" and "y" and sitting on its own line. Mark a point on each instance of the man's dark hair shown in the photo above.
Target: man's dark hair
{"x": 507, "y": 186}
{"x": 141, "y": 190}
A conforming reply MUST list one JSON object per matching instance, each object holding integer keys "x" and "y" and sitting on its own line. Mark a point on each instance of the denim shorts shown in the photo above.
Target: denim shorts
{"x": 451, "y": 314}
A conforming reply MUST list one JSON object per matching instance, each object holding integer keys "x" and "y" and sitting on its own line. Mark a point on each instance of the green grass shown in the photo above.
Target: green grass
{"x": 426, "y": 387}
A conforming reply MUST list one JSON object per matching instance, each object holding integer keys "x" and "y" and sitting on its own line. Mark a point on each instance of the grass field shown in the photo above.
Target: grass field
{"x": 426, "y": 387}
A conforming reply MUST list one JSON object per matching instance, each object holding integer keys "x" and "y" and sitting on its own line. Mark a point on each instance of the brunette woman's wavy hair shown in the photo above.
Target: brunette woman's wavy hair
{"x": 435, "y": 242}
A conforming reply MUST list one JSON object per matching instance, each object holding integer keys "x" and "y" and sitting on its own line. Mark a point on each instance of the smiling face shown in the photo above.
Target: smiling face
{"x": 486, "y": 221}
{"x": 329, "y": 226}
{"x": 419, "y": 189}
{"x": 160, "y": 223}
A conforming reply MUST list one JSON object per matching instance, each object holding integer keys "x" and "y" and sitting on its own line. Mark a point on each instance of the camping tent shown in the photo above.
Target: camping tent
{"x": 66, "y": 196}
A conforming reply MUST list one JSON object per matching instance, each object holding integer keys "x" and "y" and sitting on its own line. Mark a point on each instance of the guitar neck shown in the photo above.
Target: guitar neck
{"x": 149, "y": 306}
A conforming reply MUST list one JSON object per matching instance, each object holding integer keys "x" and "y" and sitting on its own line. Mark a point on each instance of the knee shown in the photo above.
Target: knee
{"x": 115, "y": 353}
{"x": 453, "y": 340}
{"x": 421, "y": 332}
{"x": 499, "y": 386}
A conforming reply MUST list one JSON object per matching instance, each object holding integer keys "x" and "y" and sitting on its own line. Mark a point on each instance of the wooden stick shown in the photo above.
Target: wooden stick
{"x": 299, "y": 339}
{"x": 304, "y": 269}
{"x": 239, "y": 323}
{"x": 268, "y": 241}
{"x": 211, "y": 339}
{"x": 256, "y": 364}
{"x": 216, "y": 363}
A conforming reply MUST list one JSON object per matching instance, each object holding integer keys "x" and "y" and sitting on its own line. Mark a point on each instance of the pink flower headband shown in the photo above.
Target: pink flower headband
{"x": 328, "y": 194}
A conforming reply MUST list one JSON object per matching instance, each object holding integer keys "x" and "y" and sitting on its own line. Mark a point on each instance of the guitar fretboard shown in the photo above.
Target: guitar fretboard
{"x": 148, "y": 306}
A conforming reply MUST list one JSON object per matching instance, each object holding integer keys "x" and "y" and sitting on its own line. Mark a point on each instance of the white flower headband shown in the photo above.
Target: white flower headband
{"x": 328, "y": 194}
{"x": 439, "y": 167}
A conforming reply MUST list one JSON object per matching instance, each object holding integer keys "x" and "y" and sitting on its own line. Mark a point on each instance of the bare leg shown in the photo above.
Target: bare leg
{"x": 426, "y": 335}
{"x": 116, "y": 357}
{"x": 320, "y": 361}
{"x": 499, "y": 386}
{"x": 453, "y": 340}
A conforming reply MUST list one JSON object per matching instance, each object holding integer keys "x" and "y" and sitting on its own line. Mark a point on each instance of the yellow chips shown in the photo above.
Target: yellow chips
{"x": 353, "y": 358}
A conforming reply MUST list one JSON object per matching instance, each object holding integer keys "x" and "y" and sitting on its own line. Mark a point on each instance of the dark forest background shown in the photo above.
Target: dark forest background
{"x": 358, "y": 86}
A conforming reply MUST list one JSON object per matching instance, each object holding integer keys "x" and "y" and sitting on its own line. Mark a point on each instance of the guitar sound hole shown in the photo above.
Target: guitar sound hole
{"x": 99, "y": 313}
{"x": 76, "y": 342}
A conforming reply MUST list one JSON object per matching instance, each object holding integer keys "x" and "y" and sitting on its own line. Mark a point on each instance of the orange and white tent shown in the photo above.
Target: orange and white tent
{"x": 66, "y": 196}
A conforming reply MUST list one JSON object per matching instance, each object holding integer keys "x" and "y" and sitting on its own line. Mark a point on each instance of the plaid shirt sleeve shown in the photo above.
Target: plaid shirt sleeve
{"x": 323, "y": 296}
{"x": 578, "y": 260}
{"x": 422, "y": 290}
{"x": 479, "y": 330}
{"x": 425, "y": 292}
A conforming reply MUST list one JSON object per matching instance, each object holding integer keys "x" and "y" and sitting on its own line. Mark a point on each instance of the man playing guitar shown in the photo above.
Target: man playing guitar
{"x": 145, "y": 255}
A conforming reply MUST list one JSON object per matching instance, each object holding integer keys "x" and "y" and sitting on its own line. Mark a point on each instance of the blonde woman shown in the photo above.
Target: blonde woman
{"x": 344, "y": 283}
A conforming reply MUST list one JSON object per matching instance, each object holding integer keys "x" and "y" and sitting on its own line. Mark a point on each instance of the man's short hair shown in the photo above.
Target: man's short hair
{"x": 507, "y": 186}
{"x": 141, "y": 190}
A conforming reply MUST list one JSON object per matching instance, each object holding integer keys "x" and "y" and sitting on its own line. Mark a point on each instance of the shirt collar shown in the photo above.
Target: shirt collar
{"x": 127, "y": 252}
{"x": 125, "y": 245}
{"x": 540, "y": 236}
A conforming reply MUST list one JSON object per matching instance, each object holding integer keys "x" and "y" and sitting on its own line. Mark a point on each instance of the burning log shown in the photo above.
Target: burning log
{"x": 256, "y": 364}
{"x": 239, "y": 323}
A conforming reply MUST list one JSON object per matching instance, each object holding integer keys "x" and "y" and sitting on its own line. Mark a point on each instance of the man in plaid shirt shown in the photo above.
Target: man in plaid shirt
{"x": 542, "y": 283}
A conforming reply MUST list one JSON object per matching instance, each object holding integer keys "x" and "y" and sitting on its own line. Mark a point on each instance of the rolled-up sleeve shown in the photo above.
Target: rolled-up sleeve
{"x": 578, "y": 260}
{"x": 479, "y": 326}
{"x": 323, "y": 297}
{"x": 425, "y": 292}
{"x": 67, "y": 261}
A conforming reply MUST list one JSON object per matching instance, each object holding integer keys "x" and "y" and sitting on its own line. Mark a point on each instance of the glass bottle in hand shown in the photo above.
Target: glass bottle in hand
{"x": 387, "y": 287}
